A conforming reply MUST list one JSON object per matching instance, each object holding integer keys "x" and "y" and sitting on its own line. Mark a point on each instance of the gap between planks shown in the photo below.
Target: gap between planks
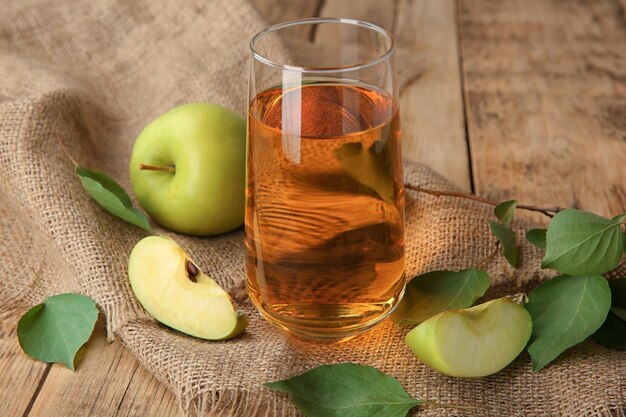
{"x": 42, "y": 380}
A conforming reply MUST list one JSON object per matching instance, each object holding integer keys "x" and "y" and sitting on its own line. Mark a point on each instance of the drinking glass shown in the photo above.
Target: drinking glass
{"x": 324, "y": 227}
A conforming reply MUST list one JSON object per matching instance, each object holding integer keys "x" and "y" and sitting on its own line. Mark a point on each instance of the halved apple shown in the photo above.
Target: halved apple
{"x": 174, "y": 291}
{"x": 472, "y": 342}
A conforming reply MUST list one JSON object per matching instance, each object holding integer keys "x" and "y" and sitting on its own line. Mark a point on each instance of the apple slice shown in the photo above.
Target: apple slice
{"x": 472, "y": 342}
{"x": 174, "y": 291}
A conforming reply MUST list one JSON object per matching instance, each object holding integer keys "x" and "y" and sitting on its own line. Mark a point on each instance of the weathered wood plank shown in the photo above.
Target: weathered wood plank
{"x": 378, "y": 12}
{"x": 108, "y": 381}
{"x": 146, "y": 396}
{"x": 20, "y": 377}
{"x": 545, "y": 88}
{"x": 431, "y": 104}
{"x": 276, "y": 11}
{"x": 431, "y": 101}
{"x": 431, "y": 97}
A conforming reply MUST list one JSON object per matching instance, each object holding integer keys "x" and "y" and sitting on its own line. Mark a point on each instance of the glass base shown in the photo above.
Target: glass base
{"x": 329, "y": 323}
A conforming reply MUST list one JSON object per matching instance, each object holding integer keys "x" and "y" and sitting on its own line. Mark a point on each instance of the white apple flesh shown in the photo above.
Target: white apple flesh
{"x": 473, "y": 342}
{"x": 175, "y": 292}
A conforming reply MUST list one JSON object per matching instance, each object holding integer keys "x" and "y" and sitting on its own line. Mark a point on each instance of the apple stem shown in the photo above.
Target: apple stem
{"x": 147, "y": 167}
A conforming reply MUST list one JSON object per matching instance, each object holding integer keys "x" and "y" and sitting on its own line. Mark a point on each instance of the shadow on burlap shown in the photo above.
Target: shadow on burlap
{"x": 97, "y": 72}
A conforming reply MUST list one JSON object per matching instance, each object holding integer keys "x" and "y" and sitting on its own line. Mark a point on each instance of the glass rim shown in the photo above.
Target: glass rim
{"x": 316, "y": 20}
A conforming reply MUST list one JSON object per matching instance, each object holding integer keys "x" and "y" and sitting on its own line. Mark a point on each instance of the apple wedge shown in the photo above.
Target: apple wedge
{"x": 473, "y": 342}
{"x": 175, "y": 292}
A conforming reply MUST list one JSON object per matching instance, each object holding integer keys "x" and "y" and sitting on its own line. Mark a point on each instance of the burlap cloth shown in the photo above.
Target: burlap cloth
{"x": 97, "y": 72}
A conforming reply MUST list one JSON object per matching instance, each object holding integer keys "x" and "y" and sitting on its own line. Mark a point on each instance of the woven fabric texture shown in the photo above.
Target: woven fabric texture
{"x": 96, "y": 73}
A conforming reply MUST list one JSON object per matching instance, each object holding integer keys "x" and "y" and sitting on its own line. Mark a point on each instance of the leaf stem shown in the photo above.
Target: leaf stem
{"x": 482, "y": 262}
{"x": 548, "y": 211}
{"x": 39, "y": 282}
{"x": 148, "y": 167}
{"x": 57, "y": 135}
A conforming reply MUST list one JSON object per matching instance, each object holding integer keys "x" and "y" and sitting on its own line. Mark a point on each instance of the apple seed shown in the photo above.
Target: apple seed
{"x": 192, "y": 270}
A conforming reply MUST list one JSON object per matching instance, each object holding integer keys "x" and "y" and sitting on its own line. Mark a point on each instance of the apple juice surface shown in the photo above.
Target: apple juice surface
{"x": 325, "y": 208}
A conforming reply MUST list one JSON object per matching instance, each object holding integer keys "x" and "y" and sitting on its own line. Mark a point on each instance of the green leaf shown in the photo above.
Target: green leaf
{"x": 112, "y": 197}
{"x": 55, "y": 330}
{"x": 612, "y": 334}
{"x": 537, "y": 237}
{"x": 434, "y": 292}
{"x": 582, "y": 243}
{"x": 369, "y": 167}
{"x": 504, "y": 211}
{"x": 107, "y": 182}
{"x": 346, "y": 390}
{"x": 506, "y": 236}
{"x": 565, "y": 311}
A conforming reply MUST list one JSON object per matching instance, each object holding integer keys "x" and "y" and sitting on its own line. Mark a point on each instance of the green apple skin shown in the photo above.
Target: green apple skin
{"x": 206, "y": 145}
{"x": 473, "y": 342}
{"x": 158, "y": 276}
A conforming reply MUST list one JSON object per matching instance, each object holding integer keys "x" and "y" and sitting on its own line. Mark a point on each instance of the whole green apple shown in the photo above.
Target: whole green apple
{"x": 188, "y": 169}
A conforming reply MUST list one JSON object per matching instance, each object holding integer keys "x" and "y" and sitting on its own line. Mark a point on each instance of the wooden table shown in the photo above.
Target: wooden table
{"x": 523, "y": 99}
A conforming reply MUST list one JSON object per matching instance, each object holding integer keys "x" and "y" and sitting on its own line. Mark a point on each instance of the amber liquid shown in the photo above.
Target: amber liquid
{"x": 325, "y": 208}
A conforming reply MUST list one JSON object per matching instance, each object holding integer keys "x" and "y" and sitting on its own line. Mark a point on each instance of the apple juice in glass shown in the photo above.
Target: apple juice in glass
{"x": 324, "y": 220}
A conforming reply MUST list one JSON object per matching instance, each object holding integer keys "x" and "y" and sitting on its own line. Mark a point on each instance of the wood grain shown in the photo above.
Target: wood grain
{"x": 101, "y": 385}
{"x": 146, "y": 396}
{"x": 378, "y": 12}
{"x": 276, "y": 11}
{"x": 19, "y": 377}
{"x": 372, "y": 11}
{"x": 545, "y": 89}
{"x": 431, "y": 102}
